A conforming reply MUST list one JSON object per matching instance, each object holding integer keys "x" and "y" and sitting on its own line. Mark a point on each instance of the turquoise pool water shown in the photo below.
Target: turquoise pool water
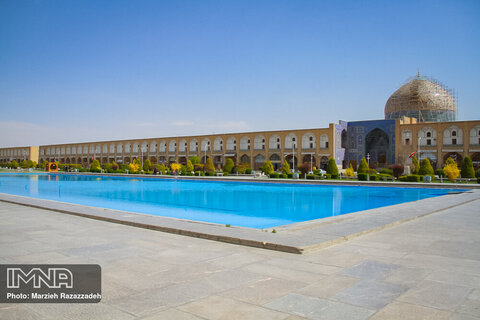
{"x": 246, "y": 204}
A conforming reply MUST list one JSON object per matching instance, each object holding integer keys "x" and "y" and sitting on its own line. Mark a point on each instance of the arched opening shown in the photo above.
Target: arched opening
{"x": 153, "y": 160}
{"x": 344, "y": 139}
{"x": 323, "y": 163}
{"x": 276, "y": 161}
{"x": 182, "y": 160}
{"x": 259, "y": 161}
{"x": 377, "y": 144}
{"x": 290, "y": 160}
{"x": 457, "y": 157}
{"x": 476, "y": 160}
{"x": 245, "y": 159}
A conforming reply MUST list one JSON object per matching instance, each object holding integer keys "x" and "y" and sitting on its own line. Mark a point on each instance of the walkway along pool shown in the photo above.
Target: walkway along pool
{"x": 245, "y": 204}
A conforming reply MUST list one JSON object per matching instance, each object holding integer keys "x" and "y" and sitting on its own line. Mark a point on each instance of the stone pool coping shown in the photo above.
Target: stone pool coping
{"x": 294, "y": 238}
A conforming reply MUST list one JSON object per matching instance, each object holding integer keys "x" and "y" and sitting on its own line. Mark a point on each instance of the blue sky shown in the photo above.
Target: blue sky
{"x": 74, "y": 71}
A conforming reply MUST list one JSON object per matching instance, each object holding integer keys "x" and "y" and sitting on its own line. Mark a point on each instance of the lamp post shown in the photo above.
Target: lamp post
{"x": 293, "y": 157}
{"x": 368, "y": 159}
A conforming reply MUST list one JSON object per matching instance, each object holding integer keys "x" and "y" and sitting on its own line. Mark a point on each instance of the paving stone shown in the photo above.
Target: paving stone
{"x": 438, "y": 295}
{"x": 220, "y": 308}
{"x": 16, "y": 312}
{"x": 314, "y": 308}
{"x": 370, "y": 270}
{"x": 408, "y": 277}
{"x": 470, "y": 307}
{"x": 371, "y": 294}
{"x": 329, "y": 286}
{"x": 100, "y": 311}
{"x": 171, "y": 314}
{"x": 263, "y": 291}
{"x": 461, "y": 279}
{"x": 283, "y": 273}
{"x": 406, "y": 311}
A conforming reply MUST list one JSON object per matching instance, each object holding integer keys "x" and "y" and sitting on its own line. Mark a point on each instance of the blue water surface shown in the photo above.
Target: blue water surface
{"x": 246, "y": 204}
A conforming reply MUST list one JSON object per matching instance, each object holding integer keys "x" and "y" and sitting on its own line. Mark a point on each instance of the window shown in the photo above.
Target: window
{"x": 407, "y": 141}
{"x": 326, "y": 144}
{"x": 454, "y": 141}
{"x": 429, "y": 142}
{"x": 293, "y": 139}
{"x": 311, "y": 138}
{"x": 429, "y": 134}
{"x": 454, "y": 133}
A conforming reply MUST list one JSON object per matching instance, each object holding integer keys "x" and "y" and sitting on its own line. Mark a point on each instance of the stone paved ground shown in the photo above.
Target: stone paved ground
{"x": 428, "y": 268}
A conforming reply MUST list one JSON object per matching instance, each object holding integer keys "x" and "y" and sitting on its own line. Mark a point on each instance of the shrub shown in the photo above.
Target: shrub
{"x": 310, "y": 176}
{"x": 411, "y": 178}
{"x": 274, "y": 175}
{"x": 286, "y": 167}
{"x": 386, "y": 171}
{"x": 397, "y": 170}
{"x": 362, "y": 176}
{"x": 267, "y": 168}
{"x": 95, "y": 166}
{"x": 228, "y": 167}
{"x": 175, "y": 167}
{"x": 416, "y": 165}
{"x": 451, "y": 170}
{"x": 332, "y": 168}
{"x": 440, "y": 172}
{"x": 195, "y": 160}
{"x": 248, "y": 171}
{"x": 477, "y": 174}
{"x": 349, "y": 172}
{"x": 209, "y": 167}
{"x": 383, "y": 175}
{"x": 290, "y": 175}
{"x": 14, "y": 164}
{"x": 374, "y": 177}
{"x": 209, "y": 173}
{"x": 467, "y": 170}
{"x": 372, "y": 171}
{"x": 328, "y": 176}
{"x": 426, "y": 168}
{"x": 147, "y": 165}
{"x": 363, "y": 166}
{"x": 282, "y": 176}
{"x": 304, "y": 168}
{"x": 189, "y": 167}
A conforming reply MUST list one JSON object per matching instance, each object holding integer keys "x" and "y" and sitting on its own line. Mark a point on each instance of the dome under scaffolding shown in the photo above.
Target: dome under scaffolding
{"x": 423, "y": 98}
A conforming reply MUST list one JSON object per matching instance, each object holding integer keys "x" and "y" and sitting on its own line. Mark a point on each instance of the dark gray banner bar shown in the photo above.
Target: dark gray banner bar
{"x": 50, "y": 283}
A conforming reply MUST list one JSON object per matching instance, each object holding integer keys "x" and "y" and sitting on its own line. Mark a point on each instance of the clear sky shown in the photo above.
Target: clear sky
{"x": 74, "y": 71}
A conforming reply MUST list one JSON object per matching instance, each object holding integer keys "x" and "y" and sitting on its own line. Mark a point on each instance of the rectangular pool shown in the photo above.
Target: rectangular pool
{"x": 246, "y": 204}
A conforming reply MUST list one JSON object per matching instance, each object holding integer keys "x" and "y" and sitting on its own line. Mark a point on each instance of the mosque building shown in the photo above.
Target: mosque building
{"x": 419, "y": 117}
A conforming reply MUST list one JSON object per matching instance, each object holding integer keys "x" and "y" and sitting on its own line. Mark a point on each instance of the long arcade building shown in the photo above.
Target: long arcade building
{"x": 419, "y": 117}
{"x": 384, "y": 141}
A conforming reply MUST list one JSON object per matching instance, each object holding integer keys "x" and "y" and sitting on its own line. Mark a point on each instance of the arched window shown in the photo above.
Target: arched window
{"x": 259, "y": 143}
{"x": 274, "y": 142}
{"x": 308, "y": 141}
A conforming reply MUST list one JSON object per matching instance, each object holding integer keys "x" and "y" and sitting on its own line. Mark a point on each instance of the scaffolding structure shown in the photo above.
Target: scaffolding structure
{"x": 424, "y": 98}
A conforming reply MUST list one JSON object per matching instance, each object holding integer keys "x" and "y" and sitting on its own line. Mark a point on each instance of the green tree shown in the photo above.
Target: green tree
{"x": 228, "y": 167}
{"x": 189, "y": 167}
{"x": 467, "y": 170}
{"x": 332, "y": 168}
{"x": 95, "y": 166}
{"x": 363, "y": 167}
{"x": 23, "y": 164}
{"x": 416, "y": 165}
{"x": 146, "y": 165}
{"x": 209, "y": 167}
{"x": 286, "y": 168}
{"x": 426, "y": 168}
{"x": 14, "y": 164}
{"x": 267, "y": 168}
{"x": 195, "y": 160}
